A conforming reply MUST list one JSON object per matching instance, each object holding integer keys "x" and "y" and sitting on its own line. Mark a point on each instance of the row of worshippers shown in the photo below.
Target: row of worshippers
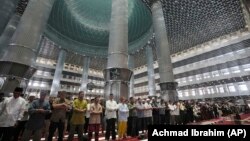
{"x": 136, "y": 114}
{"x": 15, "y": 112}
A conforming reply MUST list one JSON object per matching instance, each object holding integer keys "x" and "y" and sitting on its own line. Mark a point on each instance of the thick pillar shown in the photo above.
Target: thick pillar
{"x": 131, "y": 65}
{"x": 117, "y": 74}
{"x": 151, "y": 72}
{"x": 85, "y": 73}
{"x": 7, "y": 9}
{"x": 167, "y": 83}
{"x": 19, "y": 58}
{"x": 55, "y": 87}
{"x": 8, "y": 32}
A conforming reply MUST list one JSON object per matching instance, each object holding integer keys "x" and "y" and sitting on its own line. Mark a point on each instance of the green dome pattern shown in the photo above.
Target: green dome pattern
{"x": 82, "y": 26}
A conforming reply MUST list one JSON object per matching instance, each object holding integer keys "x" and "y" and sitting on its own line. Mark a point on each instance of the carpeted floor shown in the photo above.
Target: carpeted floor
{"x": 228, "y": 120}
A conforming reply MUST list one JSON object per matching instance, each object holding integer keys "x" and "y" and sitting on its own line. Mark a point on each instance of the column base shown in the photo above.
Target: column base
{"x": 117, "y": 82}
{"x": 14, "y": 73}
{"x": 168, "y": 91}
{"x": 14, "y": 69}
{"x": 10, "y": 83}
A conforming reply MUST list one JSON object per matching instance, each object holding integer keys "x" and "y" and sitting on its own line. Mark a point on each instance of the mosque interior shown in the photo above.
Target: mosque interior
{"x": 191, "y": 49}
{"x": 188, "y": 54}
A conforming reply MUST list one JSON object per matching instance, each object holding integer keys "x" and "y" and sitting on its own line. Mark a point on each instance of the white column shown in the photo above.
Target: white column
{"x": 131, "y": 65}
{"x": 55, "y": 87}
{"x": 151, "y": 72}
{"x": 167, "y": 83}
{"x": 117, "y": 75}
{"x": 85, "y": 72}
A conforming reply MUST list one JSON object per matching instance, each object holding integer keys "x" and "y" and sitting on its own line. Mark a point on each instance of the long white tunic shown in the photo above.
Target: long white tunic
{"x": 12, "y": 111}
{"x": 111, "y": 108}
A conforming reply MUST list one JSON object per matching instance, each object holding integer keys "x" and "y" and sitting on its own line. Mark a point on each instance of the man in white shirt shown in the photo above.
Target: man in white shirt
{"x": 148, "y": 114}
{"x": 21, "y": 124}
{"x": 12, "y": 111}
{"x": 172, "y": 108}
{"x": 111, "y": 108}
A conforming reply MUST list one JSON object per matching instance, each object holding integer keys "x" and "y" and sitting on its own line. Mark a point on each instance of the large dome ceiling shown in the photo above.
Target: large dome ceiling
{"x": 83, "y": 25}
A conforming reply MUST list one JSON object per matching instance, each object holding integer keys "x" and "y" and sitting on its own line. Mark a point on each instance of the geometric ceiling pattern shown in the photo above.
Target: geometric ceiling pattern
{"x": 193, "y": 22}
{"x": 21, "y": 6}
{"x": 83, "y": 25}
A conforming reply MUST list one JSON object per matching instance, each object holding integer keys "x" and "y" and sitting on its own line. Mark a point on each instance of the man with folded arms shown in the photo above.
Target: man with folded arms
{"x": 57, "y": 121}
{"x": 95, "y": 119}
{"x": 11, "y": 110}
{"x": 77, "y": 119}
{"x": 111, "y": 108}
{"x": 37, "y": 110}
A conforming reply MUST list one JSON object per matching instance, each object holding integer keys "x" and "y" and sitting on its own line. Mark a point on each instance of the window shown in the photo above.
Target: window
{"x": 206, "y": 75}
{"x": 43, "y": 84}
{"x": 193, "y": 92}
{"x": 208, "y": 91}
{"x": 225, "y": 72}
{"x": 184, "y": 80}
{"x": 190, "y": 78}
{"x": 186, "y": 93}
{"x": 246, "y": 67}
{"x": 231, "y": 88}
{"x": 180, "y": 94}
{"x": 243, "y": 87}
{"x": 46, "y": 73}
{"x": 35, "y": 83}
{"x": 221, "y": 89}
{"x": 212, "y": 90}
{"x": 42, "y": 61}
{"x": 200, "y": 91}
{"x": 39, "y": 72}
{"x": 198, "y": 77}
{"x": 235, "y": 69}
{"x": 215, "y": 73}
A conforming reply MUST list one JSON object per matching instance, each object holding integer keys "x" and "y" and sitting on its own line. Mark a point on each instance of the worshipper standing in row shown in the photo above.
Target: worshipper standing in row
{"x": 110, "y": 113}
{"x": 122, "y": 118}
{"x": 132, "y": 119}
{"x": 148, "y": 115}
{"x": 87, "y": 115}
{"x": 21, "y": 124}
{"x": 172, "y": 107}
{"x": 57, "y": 121}
{"x": 37, "y": 110}
{"x": 95, "y": 119}
{"x": 140, "y": 114}
{"x": 162, "y": 112}
{"x": 103, "y": 118}
{"x": 156, "y": 114}
{"x": 182, "y": 113}
{"x": 47, "y": 119}
{"x": 11, "y": 111}
{"x": 77, "y": 120}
